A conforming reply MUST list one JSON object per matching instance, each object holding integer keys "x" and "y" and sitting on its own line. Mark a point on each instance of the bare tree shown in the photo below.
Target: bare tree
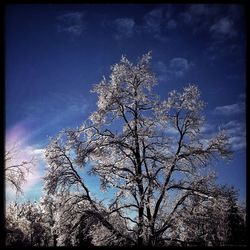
{"x": 151, "y": 153}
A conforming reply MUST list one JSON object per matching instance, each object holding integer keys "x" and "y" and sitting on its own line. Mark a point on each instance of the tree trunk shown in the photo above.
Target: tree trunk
{"x": 54, "y": 240}
{"x": 140, "y": 228}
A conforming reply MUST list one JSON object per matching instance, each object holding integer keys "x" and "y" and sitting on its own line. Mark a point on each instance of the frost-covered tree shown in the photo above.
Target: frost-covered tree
{"x": 72, "y": 223}
{"x": 213, "y": 221}
{"x": 49, "y": 206}
{"x": 26, "y": 225}
{"x": 15, "y": 172}
{"x": 204, "y": 220}
{"x": 236, "y": 218}
{"x": 17, "y": 227}
{"x": 151, "y": 153}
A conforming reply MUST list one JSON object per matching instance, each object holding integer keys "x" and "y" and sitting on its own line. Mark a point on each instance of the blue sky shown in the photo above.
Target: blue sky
{"x": 55, "y": 53}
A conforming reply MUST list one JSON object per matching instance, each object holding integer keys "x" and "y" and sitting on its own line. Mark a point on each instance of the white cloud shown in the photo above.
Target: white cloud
{"x": 56, "y": 111}
{"x": 201, "y": 10}
{"x": 176, "y": 67}
{"x": 237, "y": 134}
{"x": 194, "y": 14}
{"x": 219, "y": 48}
{"x": 198, "y": 9}
{"x": 186, "y": 18}
{"x": 21, "y": 150}
{"x": 218, "y": 20}
{"x": 161, "y": 67}
{"x": 205, "y": 142}
{"x": 153, "y": 20}
{"x": 158, "y": 21}
{"x": 171, "y": 131}
{"x": 233, "y": 127}
{"x": 207, "y": 128}
{"x": 224, "y": 27}
{"x": 179, "y": 66}
{"x": 242, "y": 96}
{"x": 71, "y": 23}
{"x": 232, "y": 109}
{"x": 235, "y": 130}
{"x": 34, "y": 175}
{"x": 237, "y": 142}
{"x": 124, "y": 27}
{"x": 172, "y": 24}
{"x": 230, "y": 124}
{"x": 162, "y": 70}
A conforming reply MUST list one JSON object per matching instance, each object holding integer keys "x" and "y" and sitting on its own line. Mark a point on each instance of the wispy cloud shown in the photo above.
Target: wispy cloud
{"x": 71, "y": 23}
{"x": 153, "y": 21}
{"x": 219, "y": 48}
{"x": 233, "y": 127}
{"x": 237, "y": 134}
{"x": 232, "y": 109}
{"x": 43, "y": 117}
{"x": 207, "y": 128}
{"x": 121, "y": 28}
{"x": 202, "y": 10}
{"x": 235, "y": 130}
{"x": 21, "y": 151}
{"x": 124, "y": 27}
{"x": 242, "y": 96}
{"x": 179, "y": 66}
{"x": 199, "y": 9}
{"x": 56, "y": 111}
{"x": 224, "y": 27}
{"x": 214, "y": 20}
{"x": 219, "y": 20}
{"x": 159, "y": 21}
{"x": 163, "y": 71}
{"x": 237, "y": 142}
{"x": 172, "y": 24}
{"x": 171, "y": 131}
{"x": 16, "y": 135}
{"x": 176, "y": 67}
{"x": 198, "y": 16}
{"x": 185, "y": 18}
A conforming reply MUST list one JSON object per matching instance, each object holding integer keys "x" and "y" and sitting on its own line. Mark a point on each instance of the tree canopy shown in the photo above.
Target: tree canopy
{"x": 151, "y": 153}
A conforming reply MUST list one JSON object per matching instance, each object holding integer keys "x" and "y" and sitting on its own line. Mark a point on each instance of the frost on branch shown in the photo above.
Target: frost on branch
{"x": 16, "y": 170}
{"x": 127, "y": 84}
{"x": 150, "y": 153}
